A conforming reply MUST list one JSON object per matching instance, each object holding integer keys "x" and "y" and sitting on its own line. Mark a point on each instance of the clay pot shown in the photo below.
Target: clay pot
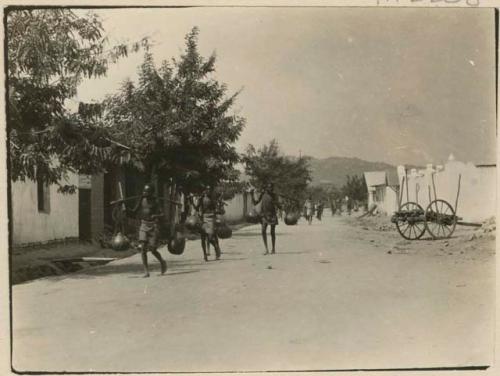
{"x": 193, "y": 223}
{"x": 120, "y": 242}
{"x": 291, "y": 219}
{"x": 224, "y": 231}
{"x": 177, "y": 244}
{"x": 252, "y": 216}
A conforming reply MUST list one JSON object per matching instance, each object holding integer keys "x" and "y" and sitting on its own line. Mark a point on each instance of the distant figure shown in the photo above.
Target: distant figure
{"x": 332, "y": 207}
{"x": 269, "y": 216}
{"x": 319, "y": 210}
{"x": 309, "y": 209}
{"x": 348, "y": 204}
{"x": 338, "y": 206}
{"x": 148, "y": 211}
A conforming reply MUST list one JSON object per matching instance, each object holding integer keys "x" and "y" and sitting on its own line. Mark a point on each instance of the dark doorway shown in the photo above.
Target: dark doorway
{"x": 84, "y": 214}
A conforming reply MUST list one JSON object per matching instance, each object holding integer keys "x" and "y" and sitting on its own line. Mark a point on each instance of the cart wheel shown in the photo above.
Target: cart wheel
{"x": 413, "y": 227}
{"x": 440, "y": 219}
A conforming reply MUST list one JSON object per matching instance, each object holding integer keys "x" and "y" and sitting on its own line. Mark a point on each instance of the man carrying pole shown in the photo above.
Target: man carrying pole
{"x": 207, "y": 206}
{"x": 148, "y": 211}
{"x": 269, "y": 206}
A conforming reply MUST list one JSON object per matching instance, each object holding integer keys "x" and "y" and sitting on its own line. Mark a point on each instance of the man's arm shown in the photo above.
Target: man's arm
{"x": 254, "y": 201}
{"x": 278, "y": 203}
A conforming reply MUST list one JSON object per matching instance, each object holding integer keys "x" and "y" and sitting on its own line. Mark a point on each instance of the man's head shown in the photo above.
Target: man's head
{"x": 147, "y": 190}
{"x": 269, "y": 187}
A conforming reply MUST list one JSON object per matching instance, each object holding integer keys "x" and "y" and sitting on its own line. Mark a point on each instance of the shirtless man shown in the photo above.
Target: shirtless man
{"x": 269, "y": 207}
{"x": 148, "y": 211}
{"x": 207, "y": 206}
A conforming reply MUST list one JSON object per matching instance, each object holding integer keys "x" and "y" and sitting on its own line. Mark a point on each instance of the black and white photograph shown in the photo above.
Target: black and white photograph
{"x": 246, "y": 188}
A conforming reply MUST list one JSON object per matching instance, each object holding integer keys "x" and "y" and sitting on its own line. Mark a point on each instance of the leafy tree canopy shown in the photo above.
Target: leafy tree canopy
{"x": 289, "y": 175}
{"x": 50, "y": 51}
{"x": 177, "y": 122}
{"x": 355, "y": 188}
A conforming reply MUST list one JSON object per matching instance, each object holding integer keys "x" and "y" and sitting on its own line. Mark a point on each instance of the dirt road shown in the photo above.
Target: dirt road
{"x": 337, "y": 295}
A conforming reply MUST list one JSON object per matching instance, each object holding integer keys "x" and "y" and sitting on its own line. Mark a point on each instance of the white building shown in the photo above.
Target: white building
{"x": 41, "y": 214}
{"x": 382, "y": 190}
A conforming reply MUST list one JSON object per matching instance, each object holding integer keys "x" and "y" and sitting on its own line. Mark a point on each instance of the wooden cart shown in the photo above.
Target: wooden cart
{"x": 439, "y": 218}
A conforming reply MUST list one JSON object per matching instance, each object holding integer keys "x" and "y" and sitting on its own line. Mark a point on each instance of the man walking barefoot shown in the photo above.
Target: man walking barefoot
{"x": 207, "y": 206}
{"x": 268, "y": 208}
{"x": 147, "y": 210}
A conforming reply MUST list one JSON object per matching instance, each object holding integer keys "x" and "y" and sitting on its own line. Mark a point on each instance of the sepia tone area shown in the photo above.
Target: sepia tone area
{"x": 251, "y": 189}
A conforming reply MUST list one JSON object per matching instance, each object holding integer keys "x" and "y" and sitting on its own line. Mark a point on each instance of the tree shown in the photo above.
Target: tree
{"x": 268, "y": 164}
{"x": 50, "y": 51}
{"x": 177, "y": 121}
{"x": 355, "y": 188}
{"x": 318, "y": 193}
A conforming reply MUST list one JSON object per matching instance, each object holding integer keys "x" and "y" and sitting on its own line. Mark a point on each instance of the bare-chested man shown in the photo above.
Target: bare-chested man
{"x": 148, "y": 211}
{"x": 207, "y": 206}
{"x": 269, "y": 208}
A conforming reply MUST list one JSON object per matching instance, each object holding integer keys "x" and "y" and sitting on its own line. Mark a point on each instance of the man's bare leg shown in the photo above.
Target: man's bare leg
{"x": 144, "y": 256}
{"x": 273, "y": 238}
{"x": 215, "y": 242}
{"x": 163, "y": 263}
{"x": 204, "y": 246}
{"x": 264, "y": 237}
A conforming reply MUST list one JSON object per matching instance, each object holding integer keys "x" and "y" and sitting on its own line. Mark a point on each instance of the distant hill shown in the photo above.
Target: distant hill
{"x": 334, "y": 170}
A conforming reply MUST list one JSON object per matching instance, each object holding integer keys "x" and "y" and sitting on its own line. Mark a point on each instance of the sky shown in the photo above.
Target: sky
{"x": 402, "y": 86}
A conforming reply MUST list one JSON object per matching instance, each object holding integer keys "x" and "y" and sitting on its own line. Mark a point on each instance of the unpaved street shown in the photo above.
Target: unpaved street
{"x": 332, "y": 298}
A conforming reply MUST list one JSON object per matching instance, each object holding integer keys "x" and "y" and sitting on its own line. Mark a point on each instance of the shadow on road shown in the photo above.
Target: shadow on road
{"x": 245, "y": 234}
{"x": 134, "y": 269}
{"x": 290, "y": 252}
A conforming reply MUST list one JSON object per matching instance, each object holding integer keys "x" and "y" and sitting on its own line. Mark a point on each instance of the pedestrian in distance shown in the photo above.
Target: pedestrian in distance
{"x": 332, "y": 207}
{"x": 148, "y": 211}
{"x": 348, "y": 203}
{"x": 309, "y": 209}
{"x": 319, "y": 210}
{"x": 207, "y": 207}
{"x": 269, "y": 216}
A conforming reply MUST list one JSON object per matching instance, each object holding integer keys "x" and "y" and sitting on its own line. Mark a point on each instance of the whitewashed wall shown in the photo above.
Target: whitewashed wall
{"x": 390, "y": 203}
{"x": 235, "y": 207}
{"x": 477, "y": 199}
{"x": 31, "y": 226}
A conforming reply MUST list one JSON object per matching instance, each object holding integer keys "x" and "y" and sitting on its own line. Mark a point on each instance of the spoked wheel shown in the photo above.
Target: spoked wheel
{"x": 412, "y": 227}
{"x": 440, "y": 219}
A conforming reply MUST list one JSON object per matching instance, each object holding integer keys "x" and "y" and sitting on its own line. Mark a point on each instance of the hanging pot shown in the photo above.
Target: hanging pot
{"x": 291, "y": 219}
{"x": 224, "y": 231}
{"x": 120, "y": 242}
{"x": 193, "y": 223}
{"x": 252, "y": 216}
{"x": 177, "y": 244}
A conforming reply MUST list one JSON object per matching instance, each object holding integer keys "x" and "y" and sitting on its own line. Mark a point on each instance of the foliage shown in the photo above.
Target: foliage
{"x": 228, "y": 189}
{"x": 355, "y": 188}
{"x": 50, "y": 51}
{"x": 318, "y": 193}
{"x": 176, "y": 120}
{"x": 267, "y": 164}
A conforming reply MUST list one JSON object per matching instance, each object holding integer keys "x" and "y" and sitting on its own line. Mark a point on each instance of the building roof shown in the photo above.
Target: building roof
{"x": 374, "y": 178}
